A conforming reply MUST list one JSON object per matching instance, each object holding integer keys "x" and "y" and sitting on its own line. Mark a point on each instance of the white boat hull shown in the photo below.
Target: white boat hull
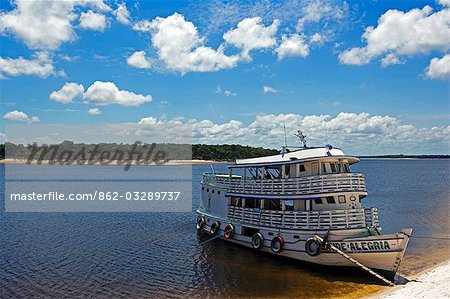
{"x": 382, "y": 253}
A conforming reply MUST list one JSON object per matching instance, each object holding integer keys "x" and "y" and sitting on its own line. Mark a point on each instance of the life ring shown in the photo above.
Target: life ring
{"x": 215, "y": 227}
{"x": 277, "y": 244}
{"x": 257, "y": 241}
{"x": 201, "y": 221}
{"x": 228, "y": 231}
{"x": 313, "y": 247}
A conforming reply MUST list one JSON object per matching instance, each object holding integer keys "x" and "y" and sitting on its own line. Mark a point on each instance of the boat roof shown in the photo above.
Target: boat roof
{"x": 301, "y": 155}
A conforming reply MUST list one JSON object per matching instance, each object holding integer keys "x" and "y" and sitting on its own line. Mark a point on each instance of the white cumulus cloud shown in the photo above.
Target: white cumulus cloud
{"x": 439, "y": 68}
{"x": 94, "y": 111}
{"x": 67, "y": 93}
{"x": 143, "y": 26}
{"x": 44, "y": 25}
{"x": 92, "y": 21}
{"x": 358, "y": 133}
{"x": 390, "y": 59}
{"x": 418, "y": 31}
{"x": 316, "y": 11}
{"x": 293, "y": 45}
{"x": 181, "y": 48}
{"x": 229, "y": 93}
{"x": 139, "y": 60}
{"x": 251, "y": 34}
{"x": 122, "y": 14}
{"x": 41, "y": 66}
{"x": 17, "y": 115}
{"x": 268, "y": 89}
{"x": 104, "y": 93}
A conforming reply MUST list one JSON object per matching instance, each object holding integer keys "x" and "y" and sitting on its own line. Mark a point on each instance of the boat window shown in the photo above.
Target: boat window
{"x": 318, "y": 201}
{"x": 252, "y": 173}
{"x": 218, "y": 192}
{"x": 287, "y": 171}
{"x": 333, "y": 168}
{"x": 314, "y": 168}
{"x": 234, "y": 201}
{"x": 288, "y": 205}
{"x": 251, "y": 203}
{"x": 212, "y": 191}
{"x": 324, "y": 169}
{"x": 274, "y": 172}
{"x": 346, "y": 167}
{"x": 341, "y": 198}
{"x": 273, "y": 204}
{"x": 330, "y": 200}
{"x": 203, "y": 188}
{"x": 302, "y": 168}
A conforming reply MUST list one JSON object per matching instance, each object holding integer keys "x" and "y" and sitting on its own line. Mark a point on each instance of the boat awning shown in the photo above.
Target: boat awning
{"x": 302, "y": 155}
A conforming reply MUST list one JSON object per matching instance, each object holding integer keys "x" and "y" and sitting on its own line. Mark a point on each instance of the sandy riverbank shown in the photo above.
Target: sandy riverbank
{"x": 434, "y": 283}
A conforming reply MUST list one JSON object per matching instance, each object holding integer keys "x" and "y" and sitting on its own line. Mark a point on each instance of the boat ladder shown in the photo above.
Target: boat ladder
{"x": 388, "y": 282}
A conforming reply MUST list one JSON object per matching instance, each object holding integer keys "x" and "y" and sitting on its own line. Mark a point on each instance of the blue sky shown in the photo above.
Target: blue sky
{"x": 326, "y": 70}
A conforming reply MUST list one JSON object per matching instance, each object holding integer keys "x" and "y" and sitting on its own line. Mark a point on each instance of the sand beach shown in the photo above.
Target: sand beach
{"x": 433, "y": 283}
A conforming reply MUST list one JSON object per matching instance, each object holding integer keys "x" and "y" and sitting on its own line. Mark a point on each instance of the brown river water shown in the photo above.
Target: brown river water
{"x": 143, "y": 255}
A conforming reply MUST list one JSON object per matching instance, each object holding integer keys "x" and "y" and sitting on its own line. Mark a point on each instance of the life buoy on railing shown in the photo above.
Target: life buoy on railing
{"x": 277, "y": 244}
{"x": 257, "y": 241}
{"x": 201, "y": 221}
{"x": 215, "y": 227}
{"x": 313, "y": 247}
{"x": 229, "y": 231}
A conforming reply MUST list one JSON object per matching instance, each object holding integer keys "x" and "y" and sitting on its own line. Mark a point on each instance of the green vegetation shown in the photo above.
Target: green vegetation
{"x": 70, "y": 150}
{"x": 226, "y": 152}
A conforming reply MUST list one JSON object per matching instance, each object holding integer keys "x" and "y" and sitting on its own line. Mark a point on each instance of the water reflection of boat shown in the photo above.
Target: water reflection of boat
{"x": 303, "y": 204}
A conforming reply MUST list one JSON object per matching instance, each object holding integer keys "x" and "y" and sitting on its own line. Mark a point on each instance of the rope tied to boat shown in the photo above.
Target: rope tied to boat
{"x": 431, "y": 238}
{"x": 215, "y": 237}
{"x": 387, "y": 281}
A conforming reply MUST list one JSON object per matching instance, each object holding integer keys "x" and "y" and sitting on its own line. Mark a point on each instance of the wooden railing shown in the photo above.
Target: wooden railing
{"x": 335, "y": 219}
{"x": 340, "y": 182}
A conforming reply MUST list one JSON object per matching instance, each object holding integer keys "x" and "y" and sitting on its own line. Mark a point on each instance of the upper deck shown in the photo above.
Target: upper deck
{"x": 309, "y": 174}
{"x": 297, "y": 156}
{"x": 293, "y": 188}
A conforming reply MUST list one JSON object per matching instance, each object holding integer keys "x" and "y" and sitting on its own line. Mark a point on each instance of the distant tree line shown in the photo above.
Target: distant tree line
{"x": 229, "y": 152}
{"x": 223, "y": 152}
{"x": 112, "y": 151}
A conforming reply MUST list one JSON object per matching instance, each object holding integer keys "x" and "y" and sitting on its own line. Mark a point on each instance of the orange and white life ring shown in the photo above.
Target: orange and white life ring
{"x": 277, "y": 244}
{"x": 229, "y": 231}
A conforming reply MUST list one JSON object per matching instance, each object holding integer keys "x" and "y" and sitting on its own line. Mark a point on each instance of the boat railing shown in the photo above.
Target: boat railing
{"x": 334, "y": 219}
{"x": 319, "y": 184}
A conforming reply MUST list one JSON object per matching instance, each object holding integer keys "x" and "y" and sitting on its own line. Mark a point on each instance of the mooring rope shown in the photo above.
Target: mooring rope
{"x": 215, "y": 237}
{"x": 387, "y": 281}
{"x": 433, "y": 238}
{"x": 427, "y": 237}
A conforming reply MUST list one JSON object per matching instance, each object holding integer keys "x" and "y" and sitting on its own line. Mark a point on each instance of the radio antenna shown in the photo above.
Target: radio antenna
{"x": 302, "y": 137}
